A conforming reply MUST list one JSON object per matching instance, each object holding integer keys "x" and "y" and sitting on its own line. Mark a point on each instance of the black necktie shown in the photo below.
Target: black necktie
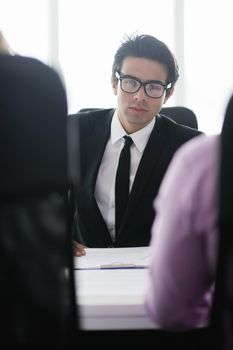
{"x": 122, "y": 182}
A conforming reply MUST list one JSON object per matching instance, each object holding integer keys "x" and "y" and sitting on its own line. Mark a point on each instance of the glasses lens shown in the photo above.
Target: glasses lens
{"x": 154, "y": 90}
{"x": 130, "y": 84}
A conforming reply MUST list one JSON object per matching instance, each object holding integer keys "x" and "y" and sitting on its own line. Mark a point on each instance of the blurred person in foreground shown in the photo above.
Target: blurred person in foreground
{"x": 190, "y": 273}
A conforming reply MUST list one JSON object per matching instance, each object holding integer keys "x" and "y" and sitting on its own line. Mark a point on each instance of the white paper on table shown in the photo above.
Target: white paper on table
{"x": 114, "y": 258}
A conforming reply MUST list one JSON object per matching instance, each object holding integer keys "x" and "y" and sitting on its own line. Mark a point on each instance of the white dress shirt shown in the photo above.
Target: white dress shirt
{"x": 105, "y": 184}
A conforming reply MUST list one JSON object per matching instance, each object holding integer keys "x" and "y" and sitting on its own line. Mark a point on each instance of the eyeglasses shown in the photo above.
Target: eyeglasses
{"x": 152, "y": 88}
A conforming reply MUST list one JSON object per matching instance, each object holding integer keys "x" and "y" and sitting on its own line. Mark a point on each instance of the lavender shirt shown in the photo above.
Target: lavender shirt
{"x": 184, "y": 238}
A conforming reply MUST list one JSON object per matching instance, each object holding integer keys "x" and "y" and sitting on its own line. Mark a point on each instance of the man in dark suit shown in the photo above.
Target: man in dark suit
{"x": 144, "y": 74}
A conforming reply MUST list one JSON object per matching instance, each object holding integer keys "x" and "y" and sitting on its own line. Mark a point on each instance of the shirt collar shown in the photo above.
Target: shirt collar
{"x": 139, "y": 137}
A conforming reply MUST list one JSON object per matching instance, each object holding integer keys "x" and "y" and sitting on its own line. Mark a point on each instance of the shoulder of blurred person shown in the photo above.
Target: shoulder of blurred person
{"x": 184, "y": 235}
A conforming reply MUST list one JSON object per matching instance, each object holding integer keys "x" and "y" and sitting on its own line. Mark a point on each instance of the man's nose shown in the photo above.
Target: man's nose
{"x": 141, "y": 94}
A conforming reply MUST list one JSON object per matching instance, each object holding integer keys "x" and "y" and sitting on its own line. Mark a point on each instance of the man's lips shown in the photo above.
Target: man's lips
{"x": 138, "y": 109}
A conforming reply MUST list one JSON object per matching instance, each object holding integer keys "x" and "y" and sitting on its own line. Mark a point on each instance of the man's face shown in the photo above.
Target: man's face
{"x": 136, "y": 110}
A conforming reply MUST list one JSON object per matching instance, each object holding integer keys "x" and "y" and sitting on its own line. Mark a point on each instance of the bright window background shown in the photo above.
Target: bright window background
{"x": 208, "y": 60}
{"x": 90, "y": 33}
{"x": 79, "y": 39}
{"x": 25, "y": 26}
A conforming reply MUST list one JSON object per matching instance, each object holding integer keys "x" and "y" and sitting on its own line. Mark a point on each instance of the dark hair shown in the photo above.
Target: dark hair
{"x": 146, "y": 46}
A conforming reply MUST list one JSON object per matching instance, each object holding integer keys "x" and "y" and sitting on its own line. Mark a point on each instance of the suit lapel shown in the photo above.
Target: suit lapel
{"x": 95, "y": 146}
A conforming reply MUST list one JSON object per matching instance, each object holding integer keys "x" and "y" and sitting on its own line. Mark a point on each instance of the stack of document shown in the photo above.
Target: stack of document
{"x": 114, "y": 258}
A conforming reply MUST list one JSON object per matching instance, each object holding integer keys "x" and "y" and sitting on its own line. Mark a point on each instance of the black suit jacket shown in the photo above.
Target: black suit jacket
{"x": 93, "y": 129}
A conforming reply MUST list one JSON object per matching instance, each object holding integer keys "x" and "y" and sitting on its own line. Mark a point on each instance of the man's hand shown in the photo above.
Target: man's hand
{"x": 78, "y": 249}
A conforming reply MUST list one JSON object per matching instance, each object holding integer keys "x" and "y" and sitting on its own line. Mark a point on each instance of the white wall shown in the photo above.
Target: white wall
{"x": 208, "y": 60}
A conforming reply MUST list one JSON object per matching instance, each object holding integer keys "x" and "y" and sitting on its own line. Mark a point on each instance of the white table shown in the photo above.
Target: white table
{"x": 112, "y": 299}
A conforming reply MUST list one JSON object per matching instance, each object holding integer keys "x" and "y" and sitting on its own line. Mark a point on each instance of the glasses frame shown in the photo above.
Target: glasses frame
{"x": 121, "y": 76}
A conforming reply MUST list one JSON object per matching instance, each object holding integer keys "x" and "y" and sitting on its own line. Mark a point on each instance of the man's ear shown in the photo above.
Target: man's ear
{"x": 114, "y": 82}
{"x": 169, "y": 94}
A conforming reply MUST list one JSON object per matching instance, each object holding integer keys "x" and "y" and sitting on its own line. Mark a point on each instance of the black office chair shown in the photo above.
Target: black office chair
{"x": 222, "y": 315}
{"x": 181, "y": 115}
{"x": 37, "y": 296}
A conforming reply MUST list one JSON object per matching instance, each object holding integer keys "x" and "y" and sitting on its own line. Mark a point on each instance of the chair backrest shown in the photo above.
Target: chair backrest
{"x": 181, "y": 115}
{"x": 222, "y": 315}
{"x": 37, "y": 296}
